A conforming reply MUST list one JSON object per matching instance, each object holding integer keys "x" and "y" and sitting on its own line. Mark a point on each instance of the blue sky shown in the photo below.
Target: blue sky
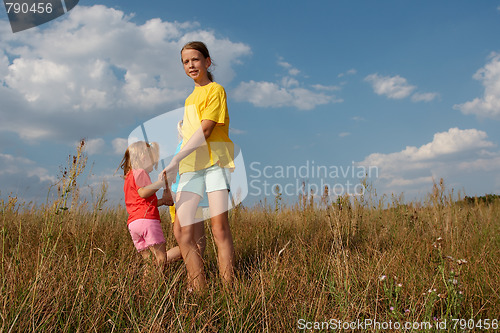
{"x": 409, "y": 87}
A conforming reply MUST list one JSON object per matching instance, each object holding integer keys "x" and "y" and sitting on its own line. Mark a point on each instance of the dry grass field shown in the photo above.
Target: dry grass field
{"x": 71, "y": 267}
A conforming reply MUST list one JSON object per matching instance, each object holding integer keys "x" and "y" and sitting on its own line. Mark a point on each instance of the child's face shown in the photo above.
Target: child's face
{"x": 146, "y": 162}
{"x": 195, "y": 64}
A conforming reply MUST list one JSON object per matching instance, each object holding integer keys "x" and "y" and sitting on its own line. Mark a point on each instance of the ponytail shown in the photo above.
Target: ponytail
{"x": 125, "y": 163}
{"x": 130, "y": 159}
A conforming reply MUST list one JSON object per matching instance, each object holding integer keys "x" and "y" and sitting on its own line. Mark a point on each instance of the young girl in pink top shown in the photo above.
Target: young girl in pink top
{"x": 142, "y": 204}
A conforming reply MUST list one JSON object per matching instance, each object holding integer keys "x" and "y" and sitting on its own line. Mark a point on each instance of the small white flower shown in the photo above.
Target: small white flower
{"x": 382, "y": 278}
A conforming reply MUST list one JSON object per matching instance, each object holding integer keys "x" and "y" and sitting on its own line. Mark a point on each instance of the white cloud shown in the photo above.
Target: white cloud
{"x": 456, "y": 154}
{"x": 424, "y": 97}
{"x": 487, "y": 106}
{"x": 344, "y": 134}
{"x": 397, "y": 87}
{"x": 94, "y": 146}
{"x": 481, "y": 164}
{"x": 291, "y": 70}
{"x": 289, "y": 82}
{"x": 92, "y": 69}
{"x": 22, "y": 177}
{"x": 352, "y": 71}
{"x": 269, "y": 94}
{"x": 325, "y": 88}
{"x": 289, "y": 92}
{"x": 119, "y": 145}
{"x": 15, "y": 165}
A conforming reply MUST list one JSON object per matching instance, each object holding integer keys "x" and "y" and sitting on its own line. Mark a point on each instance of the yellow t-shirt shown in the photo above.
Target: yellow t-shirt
{"x": 207, "y": 102}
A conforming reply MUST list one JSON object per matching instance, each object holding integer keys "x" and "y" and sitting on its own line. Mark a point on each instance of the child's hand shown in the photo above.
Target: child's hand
{"x": 171, "y": 172}
{"x": 167, "y": 198}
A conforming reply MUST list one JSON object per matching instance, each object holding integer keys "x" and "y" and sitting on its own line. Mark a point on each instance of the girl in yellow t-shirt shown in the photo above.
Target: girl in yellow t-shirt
{"x": 204, "y": 164}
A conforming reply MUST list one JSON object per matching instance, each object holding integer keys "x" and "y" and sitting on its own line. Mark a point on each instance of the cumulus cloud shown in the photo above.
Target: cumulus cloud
{"x": 291, "y": 70}
{"x": 352, "y": 71}
{"x": 487, "y": 106}
{"x": 326, "y": 88}
{"x": 94, "y": 69}
{"x": 94, "y": 146}
{"x": 454, "y": 154}
{"x": 424, "y": 97}
{"x": 119, "y": 145}
{"x": 288, "y": 92}
{"x": 397, "y": 87}
{"x": 22, "y": 176}
{"x": 269, "y": 94}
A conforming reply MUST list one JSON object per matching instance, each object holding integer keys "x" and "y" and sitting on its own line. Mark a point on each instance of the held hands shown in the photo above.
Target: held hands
{"x": 166, "y": 198}
{"x": 170, "y": 171}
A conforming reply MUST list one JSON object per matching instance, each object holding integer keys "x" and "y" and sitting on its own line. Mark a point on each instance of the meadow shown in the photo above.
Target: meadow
{"x": 70, "y": 266}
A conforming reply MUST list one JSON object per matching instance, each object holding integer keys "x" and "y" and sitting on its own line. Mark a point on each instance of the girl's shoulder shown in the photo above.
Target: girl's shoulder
{"x": 211, "y": 87}
{"x": 134, "y": 173}
{"x": 138, "y": 172}
{"x": 216, "y": 86}
{"x": 216, "y": 89}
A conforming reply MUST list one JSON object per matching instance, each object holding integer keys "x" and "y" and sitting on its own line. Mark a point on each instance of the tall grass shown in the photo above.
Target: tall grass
{"x": 73, "y": 269}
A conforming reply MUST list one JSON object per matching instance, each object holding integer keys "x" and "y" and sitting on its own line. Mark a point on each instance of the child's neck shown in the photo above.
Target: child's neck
{"x": 202, "y": 83}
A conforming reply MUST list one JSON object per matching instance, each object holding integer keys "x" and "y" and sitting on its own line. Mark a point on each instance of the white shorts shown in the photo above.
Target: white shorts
{"x": 211, "y": 179}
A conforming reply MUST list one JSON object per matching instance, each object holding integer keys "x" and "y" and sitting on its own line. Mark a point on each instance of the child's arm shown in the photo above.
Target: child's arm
{"x": 149, "y": 190}
{"x": 199, "y": 138}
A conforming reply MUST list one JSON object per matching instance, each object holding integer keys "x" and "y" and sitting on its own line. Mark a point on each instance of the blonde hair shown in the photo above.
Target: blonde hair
{"x": 135, "y": 153}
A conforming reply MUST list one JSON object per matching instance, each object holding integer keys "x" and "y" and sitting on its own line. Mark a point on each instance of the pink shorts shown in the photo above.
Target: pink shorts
{"x": 145, "y": 233}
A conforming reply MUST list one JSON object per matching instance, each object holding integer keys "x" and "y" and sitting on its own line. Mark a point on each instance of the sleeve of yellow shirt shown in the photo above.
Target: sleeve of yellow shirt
{"x": 216, "y": 107}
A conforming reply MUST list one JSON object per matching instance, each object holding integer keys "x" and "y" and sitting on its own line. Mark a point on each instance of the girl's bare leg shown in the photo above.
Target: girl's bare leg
{"x": 160, "y": 256}
{"x": 173, "y": 254}
{"x": 222, "y": 233}
{"x": 160, "y": 253}
{"x": 186, "y": 205}
{"x": 199, "y": 236}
